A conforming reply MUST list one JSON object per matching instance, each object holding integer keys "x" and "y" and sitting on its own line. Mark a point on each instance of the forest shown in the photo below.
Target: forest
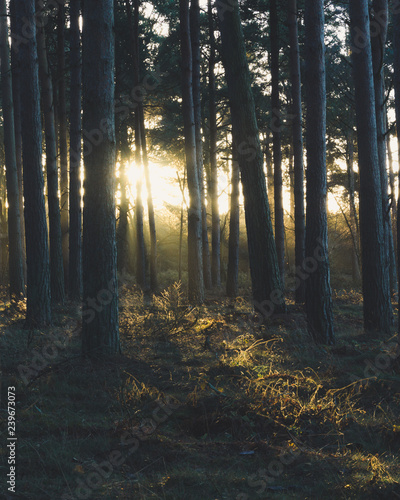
{"x": 199, "y": 249}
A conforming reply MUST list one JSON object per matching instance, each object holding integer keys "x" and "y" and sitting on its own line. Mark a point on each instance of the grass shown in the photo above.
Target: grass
{"x": 203, "y": 404}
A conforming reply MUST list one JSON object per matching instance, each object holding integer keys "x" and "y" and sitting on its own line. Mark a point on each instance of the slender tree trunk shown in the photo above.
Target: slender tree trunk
{"x": 216, "y": 229}
{"x": 56, "y": 256}
{"x": 276, "y": 139}
{"x": 196, "y": 85}
{"x": 100, "y": 288}
{"x": 17, "y": 284}
{"x": 75, "y": 211}
{"x": 122, "y": 234}
{"x": 297, "y": 131}
{"x": 377, "y": 307}
{"x": 16, "y": 90}
{"x": 195, "y": 261}
{"x": 233, "y": 258}
{"x": 393, "y": 195}
{"x": 140, "y": 243}
{"x": 38, "y": 268}
{"x": 62, "y": 117}
{"x": 270, "y": 174}
{"x": 316, "y": 264}
{"x": 182, "y": 188}
{"x": 267, "y": 286}
{"x": 396, "y": 85}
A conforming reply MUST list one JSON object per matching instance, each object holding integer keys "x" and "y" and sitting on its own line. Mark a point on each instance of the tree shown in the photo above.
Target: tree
{"x": 56, "y": 256}
{"x": 297, "y": 131}
{"x": 100, "y": 334}
{"x": 318, "y": 290}
{"x": 376, "y": 306}
{"x": 15, "y": 247}
{"x": 195, "y": 263}
{"x": 37, "y": 252}
{"x": 265, "y": 275}
{"x": 233, "y": 256}
{"x": 276, "y": 139}
{"x": 75, "y": 213}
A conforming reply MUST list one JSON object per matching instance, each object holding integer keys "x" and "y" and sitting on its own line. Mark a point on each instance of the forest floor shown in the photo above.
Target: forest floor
{"x": 202, "y": 404}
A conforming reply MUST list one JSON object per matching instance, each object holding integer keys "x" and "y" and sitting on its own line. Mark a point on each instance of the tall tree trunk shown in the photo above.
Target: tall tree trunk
{"x": 37, "y": 252}
{"x": 377, "y": 307}
{"x": 233, "y": 257}
{"x": 270, "y": 174}
{"x": 15, "y": 258}
{"x": 75, "y": 211}
{"x": 16, "y": 90}
{"x": 216, "y": 229}
{"x": 295, "y": 76}
{"x": 122, "y": 233}
{"x": 140, "y": 243}
{"x": 100, "y": 288}
{"x": 195, "y": 257}
{"x": 267, "y": 286}
{"x": 396, "y": 85}
{"x": 196, "y": 84}
{"x": 316, "y": 264}
{"x": 56, "y": 256}
{"x": 62, "y": 121}
{"x": 393, "y": 195}
{"x": 276, "y": 139}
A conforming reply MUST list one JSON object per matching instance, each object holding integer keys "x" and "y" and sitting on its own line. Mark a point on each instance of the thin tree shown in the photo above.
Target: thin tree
{"x": 75, "y": 211}
{"x": 234, "y": 229}
{"x": 56, "y": 256}
{"x": 37, "y": 251}
{"x": 318, "y": 288}
{"x": 377, "y": 307}
{"x": 195, "y": 260}
{"x": 297, "y": 131}
{"x": 265, "y": 275}
{"x": 15, "y": 248}
{"x": 100, "y": 332}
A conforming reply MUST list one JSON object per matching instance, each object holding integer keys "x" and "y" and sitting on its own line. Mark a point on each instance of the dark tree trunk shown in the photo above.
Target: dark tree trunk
{"x": 377, "y": 307}
{"x": 15, "y": 258}
{"x": 276, "y": 139}
{"x": 233, "y": 257}
{"x": 56, "y": 256}
{"x": 100, "y": 288}
{"x": 216, "y": 229}
{"x": 316, "y": 264}
{"x": 37, "y": 252}
{"x": 195, "y": 260}
{"x": 140, "y": 243}
{"x": 75, "y": 211}
{"x": 396, "y": 85}
{"x": 16, "y": 90}
{"x": 62, "y": 128}
{"x": 122, "y": 235}
{"x": 270, "y": 174}
{"x": 196, "y": 61}
{"x": 295, "y": 76}
{"x": 267, "y": 286}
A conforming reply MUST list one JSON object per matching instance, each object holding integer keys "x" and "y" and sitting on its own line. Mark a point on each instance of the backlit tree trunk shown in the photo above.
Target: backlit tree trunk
{"x": 233, "y": 258}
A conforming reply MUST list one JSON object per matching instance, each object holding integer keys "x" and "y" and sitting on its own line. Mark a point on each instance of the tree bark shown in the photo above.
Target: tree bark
{"x": 56, "y": 256}
{"x": 195, "y": 261}
{"x": 38, "y": 269}
{"x": 15, "y": 259}
{"x": 297, "y": 131}
{"x": 266, "y": 283}
{"x": 75, "y": 184}
{"x": 234, "y": 228}
{"x": 100, "y": 333}
{"x": 276, "y": 139}
{"x": 396, "y": 85}
{"x": 316, "y": 264}
{"x": 216, "y": 229}
{"x": 377, "y": 307}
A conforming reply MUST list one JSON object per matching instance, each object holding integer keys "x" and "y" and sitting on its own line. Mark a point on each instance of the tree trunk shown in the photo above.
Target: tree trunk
{"x": 140, "y": 244}
{"x": 396, "y": 85}
{"x": 234, "y": 228}
{"x": 56, "y": 256}
{"x": 270, "y": 174}
{"x": 377, "y": 307}
{"x": 276, "y": 139}
{"x": 316, "y": 265}
{"x": 295, "y": 76}
{"x": 267, "y": 286}
{"x": 393, "y": 196}
{"x": 37, "y": 252}
{"x": 196, "y": 84}
{"x": 75, "y": 211}
{"x": 17, "y": 284}
{"x": 216, "y": 229}
{"x": 195, "y": 261}
{"x": 16, "y": 90}
{"x": 62, "y": 121}
{"x": 100, "y": 288}
{"x": 122, "y": 234}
